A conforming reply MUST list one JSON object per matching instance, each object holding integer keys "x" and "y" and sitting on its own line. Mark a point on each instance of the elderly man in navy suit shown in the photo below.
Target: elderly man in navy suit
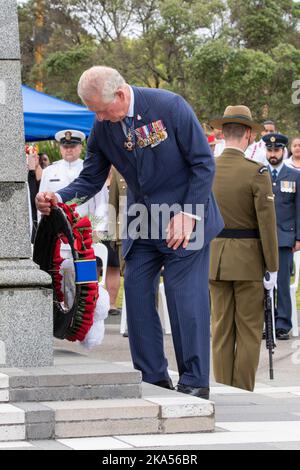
{"x": 155, "y": 141}
{"x": 286, "y": 187}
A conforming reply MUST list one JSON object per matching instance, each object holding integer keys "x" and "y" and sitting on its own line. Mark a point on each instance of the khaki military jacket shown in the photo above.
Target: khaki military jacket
{"x": 117, "y": 203}
{"x": 243, "y": 190}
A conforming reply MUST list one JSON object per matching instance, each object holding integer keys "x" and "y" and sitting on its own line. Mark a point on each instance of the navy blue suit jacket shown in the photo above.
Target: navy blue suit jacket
{"x": 287, "y": 206}
{"x": 179, "y": 170}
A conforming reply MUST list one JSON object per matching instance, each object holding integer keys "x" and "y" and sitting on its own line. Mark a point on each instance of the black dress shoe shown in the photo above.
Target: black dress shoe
{"x": 114, "y": 312}
{"x": 194, "y": 391}
{"x": 165, "y": 384}
{"x": 264, "y": 335}
{"x": 282, "y": 335}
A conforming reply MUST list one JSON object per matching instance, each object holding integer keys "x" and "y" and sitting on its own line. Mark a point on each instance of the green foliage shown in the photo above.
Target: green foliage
{"x": 51, "y": 149}
{"x": 213, "y": 52}
{"x": 227, "y": 75}
{"x": 69, "y": 63}
{"x": 262, "y": 24}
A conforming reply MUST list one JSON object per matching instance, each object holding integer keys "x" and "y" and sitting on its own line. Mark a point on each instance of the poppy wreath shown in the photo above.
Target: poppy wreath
{"x": 64, "y": 225}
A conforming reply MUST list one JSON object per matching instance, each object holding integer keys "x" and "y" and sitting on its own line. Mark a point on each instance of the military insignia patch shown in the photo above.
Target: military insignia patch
{"x": 68, "y": 135}
{"x": 263, "y": 170}
{"x": 273, "y": 140}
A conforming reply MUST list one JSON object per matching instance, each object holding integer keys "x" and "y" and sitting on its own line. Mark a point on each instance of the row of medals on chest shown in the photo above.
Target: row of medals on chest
{"x": 153, "y": 138}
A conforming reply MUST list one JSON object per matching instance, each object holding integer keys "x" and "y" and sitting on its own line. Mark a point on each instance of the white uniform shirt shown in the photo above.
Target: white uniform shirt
{"x": 219, "y": 148}
{"x": 61, "y": 174}
{"x": 290, "y": 163}
{"x": 257, "y": 152}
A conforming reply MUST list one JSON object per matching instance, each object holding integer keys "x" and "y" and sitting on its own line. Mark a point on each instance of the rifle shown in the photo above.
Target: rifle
{"x": 270, "y": 328}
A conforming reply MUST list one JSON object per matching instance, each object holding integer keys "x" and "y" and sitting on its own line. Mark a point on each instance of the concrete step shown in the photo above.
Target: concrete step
{"x": 12, "y": 423}
{"x": 93, "y": 400}
{"x": 158, "y": 412}
{"x": 69, "y": 382}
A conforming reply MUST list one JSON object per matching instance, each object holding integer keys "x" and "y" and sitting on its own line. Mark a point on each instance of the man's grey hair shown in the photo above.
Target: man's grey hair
{"x": 100, "y": 81}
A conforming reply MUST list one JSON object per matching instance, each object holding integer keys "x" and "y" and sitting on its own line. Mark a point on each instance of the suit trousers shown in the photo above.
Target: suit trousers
{"x": 187, "y": 293}
{"x": 237, "y": 326}
{"x": 284, "y": 304}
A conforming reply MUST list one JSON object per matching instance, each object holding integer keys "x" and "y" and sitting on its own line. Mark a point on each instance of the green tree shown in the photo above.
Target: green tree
{"x": 223, "y": 75}
{"x": 263, "y": 24}
{"x": 59, "y": 33}
{"x": 287, "y": 71}
{"x": 213, "y": 52}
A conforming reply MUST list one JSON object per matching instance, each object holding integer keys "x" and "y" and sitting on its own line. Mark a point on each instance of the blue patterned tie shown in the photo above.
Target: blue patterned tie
{"x": 274, "y": 175}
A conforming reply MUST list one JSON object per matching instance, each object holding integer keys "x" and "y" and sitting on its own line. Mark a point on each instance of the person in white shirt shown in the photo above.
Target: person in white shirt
{"x": 219, "y": 142}
{"x": 62, "y": 173}
{"x": 256, "y": 150}
{"x": 294, "y": 160}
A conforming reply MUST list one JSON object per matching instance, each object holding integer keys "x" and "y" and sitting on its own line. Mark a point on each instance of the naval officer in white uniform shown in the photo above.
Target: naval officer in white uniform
{"x": 60, "y": 174}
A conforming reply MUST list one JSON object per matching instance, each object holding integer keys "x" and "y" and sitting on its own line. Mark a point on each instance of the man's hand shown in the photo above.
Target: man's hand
{"x": 44, "y": 201}
{"x": 296, "y": 247}
{"x": 179, "y": 231}
{"x": 270, "y": 280}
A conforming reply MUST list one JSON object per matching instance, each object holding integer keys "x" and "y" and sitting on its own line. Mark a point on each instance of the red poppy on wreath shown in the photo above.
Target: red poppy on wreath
{"x": 65, "y": 226}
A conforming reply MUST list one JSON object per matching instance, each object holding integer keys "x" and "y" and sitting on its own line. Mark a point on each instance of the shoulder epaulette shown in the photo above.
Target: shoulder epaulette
{"x": 263, "y": 169}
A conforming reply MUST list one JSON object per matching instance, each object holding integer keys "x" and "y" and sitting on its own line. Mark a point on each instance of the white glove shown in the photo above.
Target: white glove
{"x": 270, "y": 280}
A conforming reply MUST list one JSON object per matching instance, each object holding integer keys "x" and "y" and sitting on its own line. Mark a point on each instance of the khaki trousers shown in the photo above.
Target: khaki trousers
{"x": 237, "y": 326}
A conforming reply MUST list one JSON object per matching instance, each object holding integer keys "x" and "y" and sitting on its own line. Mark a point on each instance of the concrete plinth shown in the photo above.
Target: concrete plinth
{"x": 26, "y": 315}
{"x": 26, "y": 329}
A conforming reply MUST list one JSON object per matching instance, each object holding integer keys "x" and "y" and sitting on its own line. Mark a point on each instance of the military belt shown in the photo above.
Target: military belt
{"x": 232, "y": 233}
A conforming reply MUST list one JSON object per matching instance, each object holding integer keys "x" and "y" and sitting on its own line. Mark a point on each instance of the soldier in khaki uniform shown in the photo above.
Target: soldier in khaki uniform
{"x": 117, "y": 202}
{"x": 242, "y": 254}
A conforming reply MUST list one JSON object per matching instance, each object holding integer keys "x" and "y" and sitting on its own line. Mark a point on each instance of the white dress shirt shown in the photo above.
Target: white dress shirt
{"x": 290, "y": 163}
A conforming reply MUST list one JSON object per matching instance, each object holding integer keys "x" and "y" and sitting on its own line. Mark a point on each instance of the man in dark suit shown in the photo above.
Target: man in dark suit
{"x": 286, "y": 188}
{"x": 153, "y": 138}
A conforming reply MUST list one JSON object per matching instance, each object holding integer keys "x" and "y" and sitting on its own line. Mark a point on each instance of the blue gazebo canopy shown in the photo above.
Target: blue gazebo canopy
{"x": 45, "y": 115}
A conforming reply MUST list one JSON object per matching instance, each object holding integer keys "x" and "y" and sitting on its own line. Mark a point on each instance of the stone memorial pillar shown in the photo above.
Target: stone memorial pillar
{"x": 26, "y": 338}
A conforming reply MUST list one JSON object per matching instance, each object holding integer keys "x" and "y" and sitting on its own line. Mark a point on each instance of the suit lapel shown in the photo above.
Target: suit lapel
{"x": 117, "y": 133}
{"x": 284, "y": 173}
{"x": 141, "y": 107}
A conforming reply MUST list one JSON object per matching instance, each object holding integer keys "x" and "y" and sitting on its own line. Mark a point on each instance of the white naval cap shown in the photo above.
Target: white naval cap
{"x": 69, "y": 136}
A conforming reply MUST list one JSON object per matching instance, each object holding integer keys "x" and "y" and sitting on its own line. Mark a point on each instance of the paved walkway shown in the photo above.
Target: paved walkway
{"x": 268, "y": 419}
